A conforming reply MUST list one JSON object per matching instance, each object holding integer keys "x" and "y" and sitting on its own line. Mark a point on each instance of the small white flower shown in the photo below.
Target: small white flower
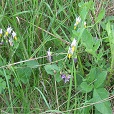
{"x": 48, "y": 52}
{"x": 75, "y": 24}
{"x": 11, "y": 42}
{"x": 85, "y": 24}
{"x": 74, "y": 42}
{"x": 70, "y": 51}
{"x": 0, "y": 31}
{"x": 49, "y": 57}
{"x": 13, "y": 34}
{"x": 9, "y": 29}
{"x": 72, "y": 48}
{"x": 78, "y": 20}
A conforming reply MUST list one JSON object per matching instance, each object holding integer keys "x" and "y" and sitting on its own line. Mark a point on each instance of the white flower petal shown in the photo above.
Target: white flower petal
{"x": 0, "y": 31}
{"x": 74, "y": 42}
{"x": 13, "y": 34}
{"x": 70, "y": 51}
{"x": 49, "y": 53}
{"x": 78, "y": 19}
{"x": 9, "y": 29}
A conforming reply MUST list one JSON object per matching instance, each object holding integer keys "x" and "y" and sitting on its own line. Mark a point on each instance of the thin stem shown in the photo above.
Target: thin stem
{"x": 75, "y": 82}
{"x": 8, "y": 90}
{"x": 56, "y": 94}
{"x": 70, "y": 87}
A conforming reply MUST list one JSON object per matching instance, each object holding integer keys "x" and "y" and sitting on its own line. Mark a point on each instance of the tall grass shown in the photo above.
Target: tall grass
{"x": 29, "y": 83}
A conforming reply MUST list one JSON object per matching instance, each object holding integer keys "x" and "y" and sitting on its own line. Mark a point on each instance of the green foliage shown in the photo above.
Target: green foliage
{"x": 32, "y": 64}
{"x": 86, "y": 87}
{"x": 43, "y": 97}
{"x": 85, "y": 7}
{"x": 92, "y": 74}
{"x": 54, "y": 70}
{"x": 78, "y": 76}
{"x": 50, "y": 69}
{"x": 99, "y": 95}
{"x": 97, "y": 76}
{"x": 100, "y": 16}
{"x": 90, "y": 43}
{"x": 100, "y": 78}
{"x": 2, "y": 85}
{"x": 23, "y": 75}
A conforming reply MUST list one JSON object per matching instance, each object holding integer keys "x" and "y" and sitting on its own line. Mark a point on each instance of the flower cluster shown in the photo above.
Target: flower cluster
{"x": 9, "y": 36}
{"x": 72, "y": 48}
{"x": 65, "y": 77}
{"x": 78, "y": 20}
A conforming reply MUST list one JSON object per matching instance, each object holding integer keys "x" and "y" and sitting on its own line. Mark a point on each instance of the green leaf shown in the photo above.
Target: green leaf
{"x": 1, "y": 73}
{"x": 50, "y": 69}
{"x": 24, "y": 74}
{"x": 86, "y": 87}
{"x": 90, "y": 43}
{"x": 32, "y": 64}
{"x": 112, "y": 92}
{"x": 100, "y": 16}
{"x": 58, "y": 77}
{"x": 3, "y": 61}
{"x": 8, "y": 73}
{"x": 91, "y": 75}
{"x": 108, "y": 28}
{"x": 84, "y": 8}
{"x": 2, "y": 85}
{"x": 87, "y": 39}
{"x": 96, "y": 45}
{"x": 100, "y": 78}
{"x": 99, "y": 56}
{"x": 97, "y": 112}
{"x": 83, "y": 13}
{"x": 87, "y": 110}
{"x": 103, "y": 107}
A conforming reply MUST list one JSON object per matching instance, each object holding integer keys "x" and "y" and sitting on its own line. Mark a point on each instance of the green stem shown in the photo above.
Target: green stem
{"x": 111, "y": 42}
{"x": 75, "y": 82}
{"x": 8, "y": 90}
{"x": 70, "y": 87}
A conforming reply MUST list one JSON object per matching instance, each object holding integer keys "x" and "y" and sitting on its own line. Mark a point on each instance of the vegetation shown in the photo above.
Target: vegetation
{"x": 56, "y": 57}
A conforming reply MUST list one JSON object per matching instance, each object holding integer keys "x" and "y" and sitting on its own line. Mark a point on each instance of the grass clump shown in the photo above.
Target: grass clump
{"x": 56, "y": 57}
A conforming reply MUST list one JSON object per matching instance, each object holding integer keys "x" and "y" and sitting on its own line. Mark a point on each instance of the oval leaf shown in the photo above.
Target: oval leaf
{"x": 99, "y": 95}
{"x": 100, "y": 78}
{"x": 86, "y": 87}
{"x": 100, "y": 16}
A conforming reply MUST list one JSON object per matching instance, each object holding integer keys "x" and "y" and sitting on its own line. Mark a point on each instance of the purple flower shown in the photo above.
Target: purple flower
{"x": 1, "y": 43}
{"x": 75, "y": 60}
{"x": 65, "y": 77}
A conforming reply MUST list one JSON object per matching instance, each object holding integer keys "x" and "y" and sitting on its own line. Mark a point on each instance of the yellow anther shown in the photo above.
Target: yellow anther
{"x": 69, "y": 56}
{"x": 0, "y": 35}
{"x": 6, "y": 34}
{"x": 15, "y": 38}
{"x": 73, "y": 48}
{"x": 74, "y": 27}
{"x": 77, "y": 23}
